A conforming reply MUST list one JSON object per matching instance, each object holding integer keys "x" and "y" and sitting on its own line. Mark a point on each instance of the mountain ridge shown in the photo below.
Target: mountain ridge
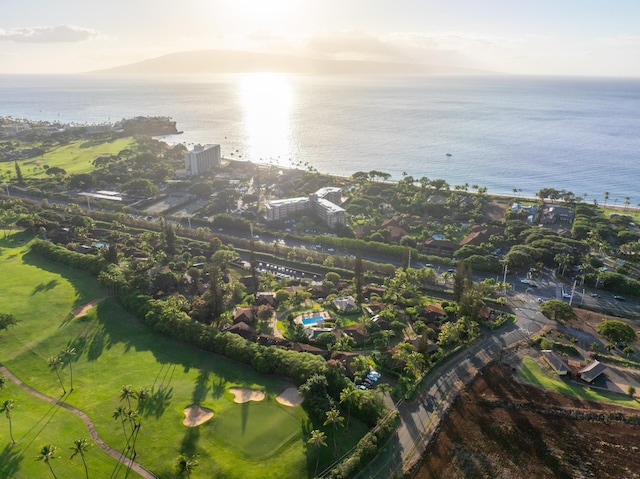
{"x": 232, "y": 61}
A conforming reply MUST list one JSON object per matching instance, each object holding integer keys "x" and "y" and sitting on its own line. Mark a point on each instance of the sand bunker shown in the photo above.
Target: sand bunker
{"x": 242, "y": 395}
{"x": 82, "y": 310}
{"x": 290, "y": 397}
{"x": 196, "y": 415}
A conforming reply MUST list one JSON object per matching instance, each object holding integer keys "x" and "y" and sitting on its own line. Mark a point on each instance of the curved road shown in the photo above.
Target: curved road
{"x": 420, "y": 419}
{"x": 87, "y": 421}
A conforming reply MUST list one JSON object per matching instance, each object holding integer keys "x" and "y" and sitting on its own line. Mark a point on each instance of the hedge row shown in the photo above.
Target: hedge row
{"x": 366, "y": 449}
{"x": 85, "y": 262}
{"x": 161, "y": 317}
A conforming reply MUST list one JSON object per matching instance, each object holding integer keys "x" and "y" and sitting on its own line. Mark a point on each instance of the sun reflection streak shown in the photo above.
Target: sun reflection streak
{"x": 267, "y": 100}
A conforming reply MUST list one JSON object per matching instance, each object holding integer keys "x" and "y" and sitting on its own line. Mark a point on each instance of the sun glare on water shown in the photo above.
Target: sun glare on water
{"x": 266, "y": 100}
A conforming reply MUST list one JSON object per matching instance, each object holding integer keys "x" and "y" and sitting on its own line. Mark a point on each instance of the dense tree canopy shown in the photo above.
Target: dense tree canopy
{"x": 617, "y": 331}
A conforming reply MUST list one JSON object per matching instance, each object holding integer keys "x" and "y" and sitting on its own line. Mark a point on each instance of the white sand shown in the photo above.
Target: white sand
{"x": 242, "y": 395}
{"x": 290, "y": 397}
{"x": 196, "y": 415}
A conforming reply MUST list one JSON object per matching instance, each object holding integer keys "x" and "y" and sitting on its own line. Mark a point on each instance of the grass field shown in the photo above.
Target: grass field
{"x": 76, "y": 157}
{"x": 251, "y": 440}
{"x": 532, "y": 373}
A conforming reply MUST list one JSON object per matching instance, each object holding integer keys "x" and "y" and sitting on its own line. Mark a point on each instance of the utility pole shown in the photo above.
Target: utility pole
{"x": 504, "y": 278}
{"x": 573, "y": 290}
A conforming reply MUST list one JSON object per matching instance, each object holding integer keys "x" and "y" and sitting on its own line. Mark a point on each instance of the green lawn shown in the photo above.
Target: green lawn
{"x": 37, "y": 423}
{"x": 258, "y": 439}
{"x": 532, "y": 373}
{"x": 76, "y": 157}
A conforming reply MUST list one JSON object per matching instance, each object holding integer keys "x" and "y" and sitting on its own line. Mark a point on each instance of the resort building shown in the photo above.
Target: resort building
{"x": 281, "y": 209}
{"x": 202, "y": 159}
{"x": 323, "y": 203}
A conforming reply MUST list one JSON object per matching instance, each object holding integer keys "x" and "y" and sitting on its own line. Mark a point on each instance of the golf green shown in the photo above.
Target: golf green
{"x": 259, "y": 429}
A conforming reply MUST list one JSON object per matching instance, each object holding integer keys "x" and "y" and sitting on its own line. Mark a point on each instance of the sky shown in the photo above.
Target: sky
{"x": 539, "y": 37}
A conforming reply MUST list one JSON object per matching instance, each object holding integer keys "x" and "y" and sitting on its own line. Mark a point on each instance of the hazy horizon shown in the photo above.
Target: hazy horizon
{"x": 569, "y": 38}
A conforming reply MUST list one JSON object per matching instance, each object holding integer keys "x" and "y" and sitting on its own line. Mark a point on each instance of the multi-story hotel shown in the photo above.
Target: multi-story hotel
{"x": 202, "y": 159}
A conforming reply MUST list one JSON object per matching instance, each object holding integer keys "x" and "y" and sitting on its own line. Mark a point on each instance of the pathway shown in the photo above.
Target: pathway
{"x": 87, "y": 421}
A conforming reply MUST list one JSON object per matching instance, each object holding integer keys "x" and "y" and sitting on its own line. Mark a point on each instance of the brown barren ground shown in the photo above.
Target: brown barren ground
{"x": 500, "y": 428}
{"x": 83, "y": 309}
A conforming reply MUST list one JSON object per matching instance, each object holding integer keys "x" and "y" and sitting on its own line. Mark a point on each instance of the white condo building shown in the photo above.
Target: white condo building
{"x": 322, "y": 203}
{"x": 202, "y": 159}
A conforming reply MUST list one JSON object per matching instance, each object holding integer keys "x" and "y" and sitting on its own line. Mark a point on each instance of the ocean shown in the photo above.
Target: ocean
{"x": 502, "y": 133}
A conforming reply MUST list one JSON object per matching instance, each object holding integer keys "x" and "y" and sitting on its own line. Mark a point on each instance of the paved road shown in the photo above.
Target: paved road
{"x": 118, "y": 456}
{"x": 419, "y": 419}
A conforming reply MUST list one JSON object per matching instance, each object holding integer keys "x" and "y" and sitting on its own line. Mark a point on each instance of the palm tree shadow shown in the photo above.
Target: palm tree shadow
{"x": 190, "y": 440}
{"x": 42, "y": 287}
{"x": 158, "y": 401}
{"x": 200, "y": 391}
{"x": 10, "y": 460}
{"x": 244, "y": 415}
{"x": 217, "y": 390}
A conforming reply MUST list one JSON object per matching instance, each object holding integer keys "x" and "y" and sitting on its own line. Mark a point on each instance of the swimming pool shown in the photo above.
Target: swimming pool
{"x": 314, "y": 320}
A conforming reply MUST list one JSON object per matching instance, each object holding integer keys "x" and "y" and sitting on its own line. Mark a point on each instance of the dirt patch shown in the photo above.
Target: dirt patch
{"x": 501, "y": 428}
{"x": 242, "y": 395}
{"x": 195, "y": 415}
{"x": 290, "y": 397}
{"x": 83, "y": 309}
{"x": 495, "y": 210}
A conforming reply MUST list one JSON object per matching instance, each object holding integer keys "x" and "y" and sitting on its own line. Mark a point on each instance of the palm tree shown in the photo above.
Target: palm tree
{"x": 335, "y": 419}
{"x": 121, "y": 413}
{"x": 55, "y": 363}
{"x": 66, "y": 355}
{"x": 80, "y": 446}
{"x": 347, "y": 395}
{"x": 627, "y": 202}
{"x": 318, "y": 439}
{"x": 126, "y": 393}
{"x": 564, "y": 260}
{"x": 606, "y": 197}
{"x": 131, "y": 416}
{"x": 6, "y": 408}
{"x": 142, "y": 395}
{"x": 186, "y": 464}
{"x": 47, "y": 454}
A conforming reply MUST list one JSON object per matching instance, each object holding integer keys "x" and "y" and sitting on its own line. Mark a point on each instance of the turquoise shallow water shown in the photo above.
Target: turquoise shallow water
{"x": 527, "y": 133}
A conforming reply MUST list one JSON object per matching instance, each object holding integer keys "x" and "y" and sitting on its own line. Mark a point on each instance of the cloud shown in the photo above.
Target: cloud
{"x": 353, "y": 45}
{"x": 411, "y": 47}
{"x": 56, "y": 34}
{"x": 264, "y": 36}
{"x": 621, "y": 41}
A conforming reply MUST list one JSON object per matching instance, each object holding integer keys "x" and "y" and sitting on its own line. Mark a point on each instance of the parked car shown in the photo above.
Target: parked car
{"x": 619, "y": 298}
{"x": 566, "y": 295}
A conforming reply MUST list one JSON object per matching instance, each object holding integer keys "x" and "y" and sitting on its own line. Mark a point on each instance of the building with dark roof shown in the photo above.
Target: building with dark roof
{"x": 591, "y": 371}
